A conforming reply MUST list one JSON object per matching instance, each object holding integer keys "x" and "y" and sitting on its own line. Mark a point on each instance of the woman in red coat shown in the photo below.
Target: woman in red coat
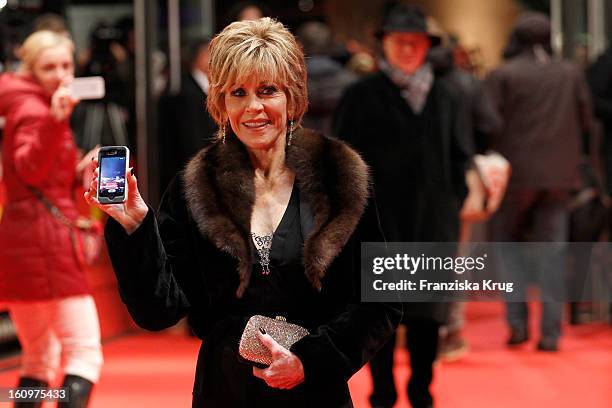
{"x": 40, "y": 278}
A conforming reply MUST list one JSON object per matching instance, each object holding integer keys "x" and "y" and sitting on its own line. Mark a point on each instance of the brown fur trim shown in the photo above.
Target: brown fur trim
{"x": 220, "y": 195}
{"x": 332, "y": 178}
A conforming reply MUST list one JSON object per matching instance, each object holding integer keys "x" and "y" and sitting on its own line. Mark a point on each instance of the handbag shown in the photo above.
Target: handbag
{"x": 285, "y": 334}
{"x": 86, "y": 235}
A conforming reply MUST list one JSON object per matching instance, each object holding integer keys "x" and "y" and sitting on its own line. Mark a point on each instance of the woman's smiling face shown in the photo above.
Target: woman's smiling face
{"x": 257, "y": 113}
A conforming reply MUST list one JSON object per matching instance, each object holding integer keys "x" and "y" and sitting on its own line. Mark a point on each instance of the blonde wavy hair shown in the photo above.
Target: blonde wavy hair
{"x": 263, "y": 49}
{"x": 38, "y": 42}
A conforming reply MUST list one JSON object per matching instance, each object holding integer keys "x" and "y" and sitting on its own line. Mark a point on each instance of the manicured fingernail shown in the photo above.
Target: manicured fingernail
{"x": 262, "y": 331}
{"x": 132, "y": 171}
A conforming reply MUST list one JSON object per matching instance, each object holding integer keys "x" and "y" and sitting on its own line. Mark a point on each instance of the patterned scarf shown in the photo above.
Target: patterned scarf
{"x": 413, "y": 88}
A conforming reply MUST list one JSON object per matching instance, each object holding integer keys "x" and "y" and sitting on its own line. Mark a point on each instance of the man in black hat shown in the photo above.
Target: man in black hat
{"x": 405, "y": 121}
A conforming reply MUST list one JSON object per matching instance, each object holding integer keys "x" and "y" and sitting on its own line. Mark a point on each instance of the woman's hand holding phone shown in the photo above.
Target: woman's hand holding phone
{"x": 131, "y": 213}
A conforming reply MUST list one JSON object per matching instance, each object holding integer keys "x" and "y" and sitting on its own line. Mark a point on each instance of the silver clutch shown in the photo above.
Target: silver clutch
{"x": 285, "y": 334}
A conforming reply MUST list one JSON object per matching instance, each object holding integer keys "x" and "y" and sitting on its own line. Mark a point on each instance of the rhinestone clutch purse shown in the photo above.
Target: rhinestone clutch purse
{"x": 285, "y": 334}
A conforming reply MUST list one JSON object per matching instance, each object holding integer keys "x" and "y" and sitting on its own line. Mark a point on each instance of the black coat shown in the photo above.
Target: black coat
{"x": 418, "y": 170}
{"x": 418, "y": 163}
{"x": 193, "y": 259}
{"x": 185, "y": 127}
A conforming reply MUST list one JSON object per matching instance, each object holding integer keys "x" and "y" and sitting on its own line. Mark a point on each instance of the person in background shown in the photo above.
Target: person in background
{"x": 41, "y": 279}
{"x": 406, "y": 123}
{"x": 104, "y": 121}
{"x": 327, "y": 78}
{"x": 481, "y": 120}
{"x": 361, "y": 61}
{"x": 9, "y": 58}
{"x": 245, "y": 11}
{"x": 267, "y": 220}
{"x": 51, "y": 22}
{"x": 186, "y": 126}
{"x": 545, "y": 107}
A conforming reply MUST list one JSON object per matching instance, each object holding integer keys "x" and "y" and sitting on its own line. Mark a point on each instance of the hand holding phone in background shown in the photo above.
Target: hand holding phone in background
{"x": 63, "y": 101}
{"x": 114, "y": 188}
{"x": 72, "y": 91}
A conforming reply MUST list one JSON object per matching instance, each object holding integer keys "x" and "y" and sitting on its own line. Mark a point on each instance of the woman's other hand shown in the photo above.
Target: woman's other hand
{"x": 286, "y": 370}
{"x": 62, "y": 101}
{"x": 129, "y": 214}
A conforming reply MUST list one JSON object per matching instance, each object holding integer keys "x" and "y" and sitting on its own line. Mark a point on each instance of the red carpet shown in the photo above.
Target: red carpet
{"x": 580, "y": 375}
{"x": 154, "y": 371}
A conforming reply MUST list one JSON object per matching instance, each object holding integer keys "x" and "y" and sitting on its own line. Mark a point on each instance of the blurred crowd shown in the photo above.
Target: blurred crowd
{"x": 523, "y": 153}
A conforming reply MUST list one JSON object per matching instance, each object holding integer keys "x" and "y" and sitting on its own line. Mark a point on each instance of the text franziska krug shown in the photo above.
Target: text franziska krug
{"x": 428, "y": 280}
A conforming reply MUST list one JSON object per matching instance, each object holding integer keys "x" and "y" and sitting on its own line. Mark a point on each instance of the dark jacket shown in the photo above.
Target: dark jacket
{"x": 545, "y": 107}
{"x": 37, "y": 258}
{"x": 185, "y": 128}
{"x": 193, "y": 259}
{"x": 418, "y": 162}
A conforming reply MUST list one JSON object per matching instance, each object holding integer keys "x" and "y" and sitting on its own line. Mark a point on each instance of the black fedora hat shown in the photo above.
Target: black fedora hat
{"x": 405, "y": 18}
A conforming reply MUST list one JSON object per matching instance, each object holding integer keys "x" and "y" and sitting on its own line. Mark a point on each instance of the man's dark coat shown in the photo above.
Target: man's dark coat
{"x": 193, "y": 259}
{"x": 418, "y": 162}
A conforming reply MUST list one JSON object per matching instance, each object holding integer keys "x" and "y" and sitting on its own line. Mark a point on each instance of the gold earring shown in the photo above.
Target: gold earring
{"x": 223, "y": 133}
{"x": 290, "y": 132}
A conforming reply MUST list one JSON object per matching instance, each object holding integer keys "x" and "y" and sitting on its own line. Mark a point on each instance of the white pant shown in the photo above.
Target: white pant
{"x": 65, "y": 328}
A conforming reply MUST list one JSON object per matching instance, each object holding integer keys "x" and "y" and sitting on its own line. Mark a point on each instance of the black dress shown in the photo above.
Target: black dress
{"x": 279, "y": 293}
{"x": 193, "y": 257}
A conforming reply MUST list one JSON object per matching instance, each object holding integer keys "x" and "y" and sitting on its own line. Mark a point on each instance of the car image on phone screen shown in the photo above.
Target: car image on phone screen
{"x": 112, "y": 186}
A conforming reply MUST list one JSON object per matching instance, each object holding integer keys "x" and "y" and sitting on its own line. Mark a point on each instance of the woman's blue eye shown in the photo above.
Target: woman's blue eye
{"x": 268, "y": 90}
{"x": 237, "y": 92}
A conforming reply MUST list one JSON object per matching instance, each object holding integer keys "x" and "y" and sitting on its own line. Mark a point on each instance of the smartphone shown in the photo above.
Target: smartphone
{"x": 112, "y": 166}
{"x": 88, "y": 88}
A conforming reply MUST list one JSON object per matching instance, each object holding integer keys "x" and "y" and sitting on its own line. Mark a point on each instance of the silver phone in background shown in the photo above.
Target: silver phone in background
{"x": 88, "y": 88}
{"x": 113, "y": 162}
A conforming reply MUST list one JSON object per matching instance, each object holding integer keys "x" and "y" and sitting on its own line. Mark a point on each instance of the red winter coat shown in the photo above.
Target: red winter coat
{"x": 37, "y": 259}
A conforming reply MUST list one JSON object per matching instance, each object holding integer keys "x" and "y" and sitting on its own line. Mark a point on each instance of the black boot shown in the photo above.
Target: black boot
{"x": 518, "y": 337}
{"x": 79, "y": 390}
{"x": 30, "y": 382}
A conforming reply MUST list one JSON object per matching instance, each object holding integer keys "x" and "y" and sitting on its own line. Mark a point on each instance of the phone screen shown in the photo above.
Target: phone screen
{"x": 112, "y": 176}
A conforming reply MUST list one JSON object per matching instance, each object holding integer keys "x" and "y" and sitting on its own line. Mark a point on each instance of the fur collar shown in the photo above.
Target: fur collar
{"x": 332, "y": 178}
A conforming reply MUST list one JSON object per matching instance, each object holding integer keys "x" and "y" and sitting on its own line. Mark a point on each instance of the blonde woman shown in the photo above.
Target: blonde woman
{"x": 40, "y": 277}
{"x": 265, "y": 222}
